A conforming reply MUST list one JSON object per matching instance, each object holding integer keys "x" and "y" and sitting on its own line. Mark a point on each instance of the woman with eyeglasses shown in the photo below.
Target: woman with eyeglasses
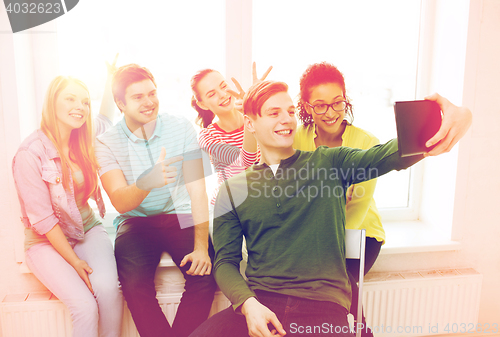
{"x": 326, "y": 115}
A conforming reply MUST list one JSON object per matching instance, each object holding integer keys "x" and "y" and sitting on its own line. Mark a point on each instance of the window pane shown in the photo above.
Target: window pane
{"x": 373, "y": 43}
{"x": 168, "y": 37}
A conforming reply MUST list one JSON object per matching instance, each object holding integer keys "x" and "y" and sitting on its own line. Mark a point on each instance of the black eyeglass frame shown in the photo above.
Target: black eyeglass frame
{"x": 346, "y": 104}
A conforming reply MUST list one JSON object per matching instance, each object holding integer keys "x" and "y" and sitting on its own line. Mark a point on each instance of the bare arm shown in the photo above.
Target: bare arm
{"x": 125, "y": 197}
{"x": 108, "y": 106}
{"x": 60, "y": 243}
{"x": 195, "y": 185}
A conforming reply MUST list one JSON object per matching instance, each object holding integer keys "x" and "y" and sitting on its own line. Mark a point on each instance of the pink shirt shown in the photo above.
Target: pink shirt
{"x": 38, "y": 178}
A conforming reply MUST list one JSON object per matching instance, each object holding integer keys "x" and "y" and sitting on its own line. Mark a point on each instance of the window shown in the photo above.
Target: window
{"x": 386, "y": 50}
{"x": 374, "y": 44}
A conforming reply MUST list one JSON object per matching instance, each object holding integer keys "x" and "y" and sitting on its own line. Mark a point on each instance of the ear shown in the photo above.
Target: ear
{"x": 248, "y": 122}
{"x": 307, "y": 107}
{"x": 201, "y": 105}
{"x": 120, "y": 105}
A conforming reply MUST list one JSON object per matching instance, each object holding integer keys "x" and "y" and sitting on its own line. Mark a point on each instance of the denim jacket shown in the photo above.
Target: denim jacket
{"x": 44, "y": 202}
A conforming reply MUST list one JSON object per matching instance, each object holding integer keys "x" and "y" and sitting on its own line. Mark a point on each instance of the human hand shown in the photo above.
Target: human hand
{"x": 258, "y": 317}
{"x": 348, "y": 195}
{"x": 456, "y": 122}
{"x": 200, "y": 262}
{"x": 83, "y": 270}
{"x": 112, "y": 67}
{"x": 238, "y": 104}
{"x": 161, "y": 174}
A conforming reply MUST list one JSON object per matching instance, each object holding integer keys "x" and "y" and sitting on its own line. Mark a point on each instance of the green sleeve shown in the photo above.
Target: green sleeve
{"x": 361, "y": 165}
{"x": 228, "y": 239}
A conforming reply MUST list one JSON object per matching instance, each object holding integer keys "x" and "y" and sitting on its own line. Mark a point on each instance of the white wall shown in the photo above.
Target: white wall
{"x": 476, "y": 219}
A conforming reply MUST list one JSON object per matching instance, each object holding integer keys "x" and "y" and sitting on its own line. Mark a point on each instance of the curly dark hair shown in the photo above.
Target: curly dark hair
{"x": 316, "y": 74}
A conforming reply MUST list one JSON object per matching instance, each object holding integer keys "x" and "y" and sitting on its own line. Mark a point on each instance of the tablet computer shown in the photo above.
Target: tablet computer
{"x": 416, "y": 123}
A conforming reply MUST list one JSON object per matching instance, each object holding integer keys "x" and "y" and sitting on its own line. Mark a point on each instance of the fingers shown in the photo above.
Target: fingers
{"x": 184, "y": 261}
{"x": 172, "y": 160}
{"x": 277, "y": 324}
{"x": 234, "y": 93}
{"x": 116, "y": 58}
{"x": 163, "y": 153}
{"x": 256, "y": 78}
{"x": 237, "y": 84}
{"x": 266, "y": 73}
{"x": 442, "y": 132}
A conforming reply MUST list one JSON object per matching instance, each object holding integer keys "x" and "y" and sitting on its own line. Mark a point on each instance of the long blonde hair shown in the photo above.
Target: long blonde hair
{"x": 81, "y": 149}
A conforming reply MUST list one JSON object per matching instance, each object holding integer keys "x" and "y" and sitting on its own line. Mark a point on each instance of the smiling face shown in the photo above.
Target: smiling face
{"x": 213, "y": 95}
{"x": 141, "y": 104}
{"x": 276, "y": 125}
{"x": 330, "y": 122}
{"x": 72, "y": 107}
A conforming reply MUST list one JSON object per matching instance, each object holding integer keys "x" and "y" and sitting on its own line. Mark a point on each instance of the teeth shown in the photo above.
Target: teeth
{"x": 284, "y": 132}
{"x": 76, "y": 115}
{"x": 148, "y": 112}
{"x": 331, "y": 122}
{"x": 226, "y": 102}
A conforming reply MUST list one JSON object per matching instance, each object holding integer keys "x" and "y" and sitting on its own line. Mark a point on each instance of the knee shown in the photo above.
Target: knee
{"x": 83, "y": 310}
{"x": 107, "y": 287}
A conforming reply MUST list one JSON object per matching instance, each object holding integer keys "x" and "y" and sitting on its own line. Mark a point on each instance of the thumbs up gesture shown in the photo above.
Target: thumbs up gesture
{"x": 161, "y": 174}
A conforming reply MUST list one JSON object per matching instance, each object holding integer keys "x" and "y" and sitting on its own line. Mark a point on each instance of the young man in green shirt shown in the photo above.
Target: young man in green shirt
{"x": 291, "y": 209}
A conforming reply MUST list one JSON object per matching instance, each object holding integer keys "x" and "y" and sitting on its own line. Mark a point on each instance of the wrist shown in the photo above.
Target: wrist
{"x": 248, "y": 303}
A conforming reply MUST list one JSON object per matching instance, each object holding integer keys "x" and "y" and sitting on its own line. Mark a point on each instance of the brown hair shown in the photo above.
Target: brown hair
{"x": 127, "y": 75}
{"x": 205, "y": 117}
{"x": 259, "y": 93}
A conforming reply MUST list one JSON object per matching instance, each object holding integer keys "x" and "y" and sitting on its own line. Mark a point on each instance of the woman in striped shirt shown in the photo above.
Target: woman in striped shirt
{"x": 231, "y": 148}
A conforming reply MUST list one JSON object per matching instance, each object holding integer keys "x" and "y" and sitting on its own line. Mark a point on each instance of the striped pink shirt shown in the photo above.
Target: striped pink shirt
{"x": 226, "y": 152}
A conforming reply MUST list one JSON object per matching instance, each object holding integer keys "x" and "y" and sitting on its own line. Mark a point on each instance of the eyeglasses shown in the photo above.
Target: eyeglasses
{"x": 321, "y": 109}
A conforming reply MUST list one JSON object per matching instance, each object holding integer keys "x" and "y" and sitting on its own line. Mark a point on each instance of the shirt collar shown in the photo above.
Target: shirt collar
{"x": 49, "y": 146}
{"x": 134, "y": 138}
{"x": 285, "y": 162}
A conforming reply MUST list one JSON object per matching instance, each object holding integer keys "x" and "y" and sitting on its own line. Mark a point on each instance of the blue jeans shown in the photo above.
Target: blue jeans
{"x": 139, "y": 245}
{"x": 299, "y": 317}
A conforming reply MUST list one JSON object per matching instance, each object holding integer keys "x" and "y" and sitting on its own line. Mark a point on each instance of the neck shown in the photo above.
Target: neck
{"x": 329, "y": 139}
{"x": 275, "y": 156}
{"x": 231, "y": 121}
{"x": 144, "y": 131}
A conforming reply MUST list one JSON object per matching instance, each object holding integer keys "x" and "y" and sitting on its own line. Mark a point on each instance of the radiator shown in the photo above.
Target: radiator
{"x": 43, "y": 315}
{"x": 421, "y": 303}
{"x": 395, "y": 304}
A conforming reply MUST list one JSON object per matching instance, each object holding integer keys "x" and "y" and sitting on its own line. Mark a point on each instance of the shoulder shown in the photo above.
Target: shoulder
{"x": 34, "y": 143}
{"x": 173, "y": 120}
{"x": 112, "y": 134}
{"x": 304, "y": 138}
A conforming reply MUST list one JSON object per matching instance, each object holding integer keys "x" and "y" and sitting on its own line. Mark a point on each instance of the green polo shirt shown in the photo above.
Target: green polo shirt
{"x": 294, "y": 222}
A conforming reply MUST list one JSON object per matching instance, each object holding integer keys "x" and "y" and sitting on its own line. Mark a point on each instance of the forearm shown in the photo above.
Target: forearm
{"x": 108, "y": 105}
{"x": 127, "y": 198}
{"x": 199, "y": 209}
{"x": 232, "y": 284}
{"x": 58, "y": 240}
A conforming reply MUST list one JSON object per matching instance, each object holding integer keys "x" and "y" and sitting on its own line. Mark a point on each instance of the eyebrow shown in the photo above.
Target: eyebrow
{"x": 320, "y": 100}
{"x": 220, "y": 85}
{"x": 273, "y": 109}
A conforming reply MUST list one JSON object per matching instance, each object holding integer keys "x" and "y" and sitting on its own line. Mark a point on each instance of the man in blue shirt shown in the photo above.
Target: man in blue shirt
{"x": 162, "y": 203}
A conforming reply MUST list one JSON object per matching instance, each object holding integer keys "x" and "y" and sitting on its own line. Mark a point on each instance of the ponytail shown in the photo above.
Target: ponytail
{"x": 205, "y": 117}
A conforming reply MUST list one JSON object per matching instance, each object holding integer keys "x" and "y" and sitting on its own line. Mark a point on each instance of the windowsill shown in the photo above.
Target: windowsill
{"x": 401, "y": 237}
{"x": 416, "y": 237}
